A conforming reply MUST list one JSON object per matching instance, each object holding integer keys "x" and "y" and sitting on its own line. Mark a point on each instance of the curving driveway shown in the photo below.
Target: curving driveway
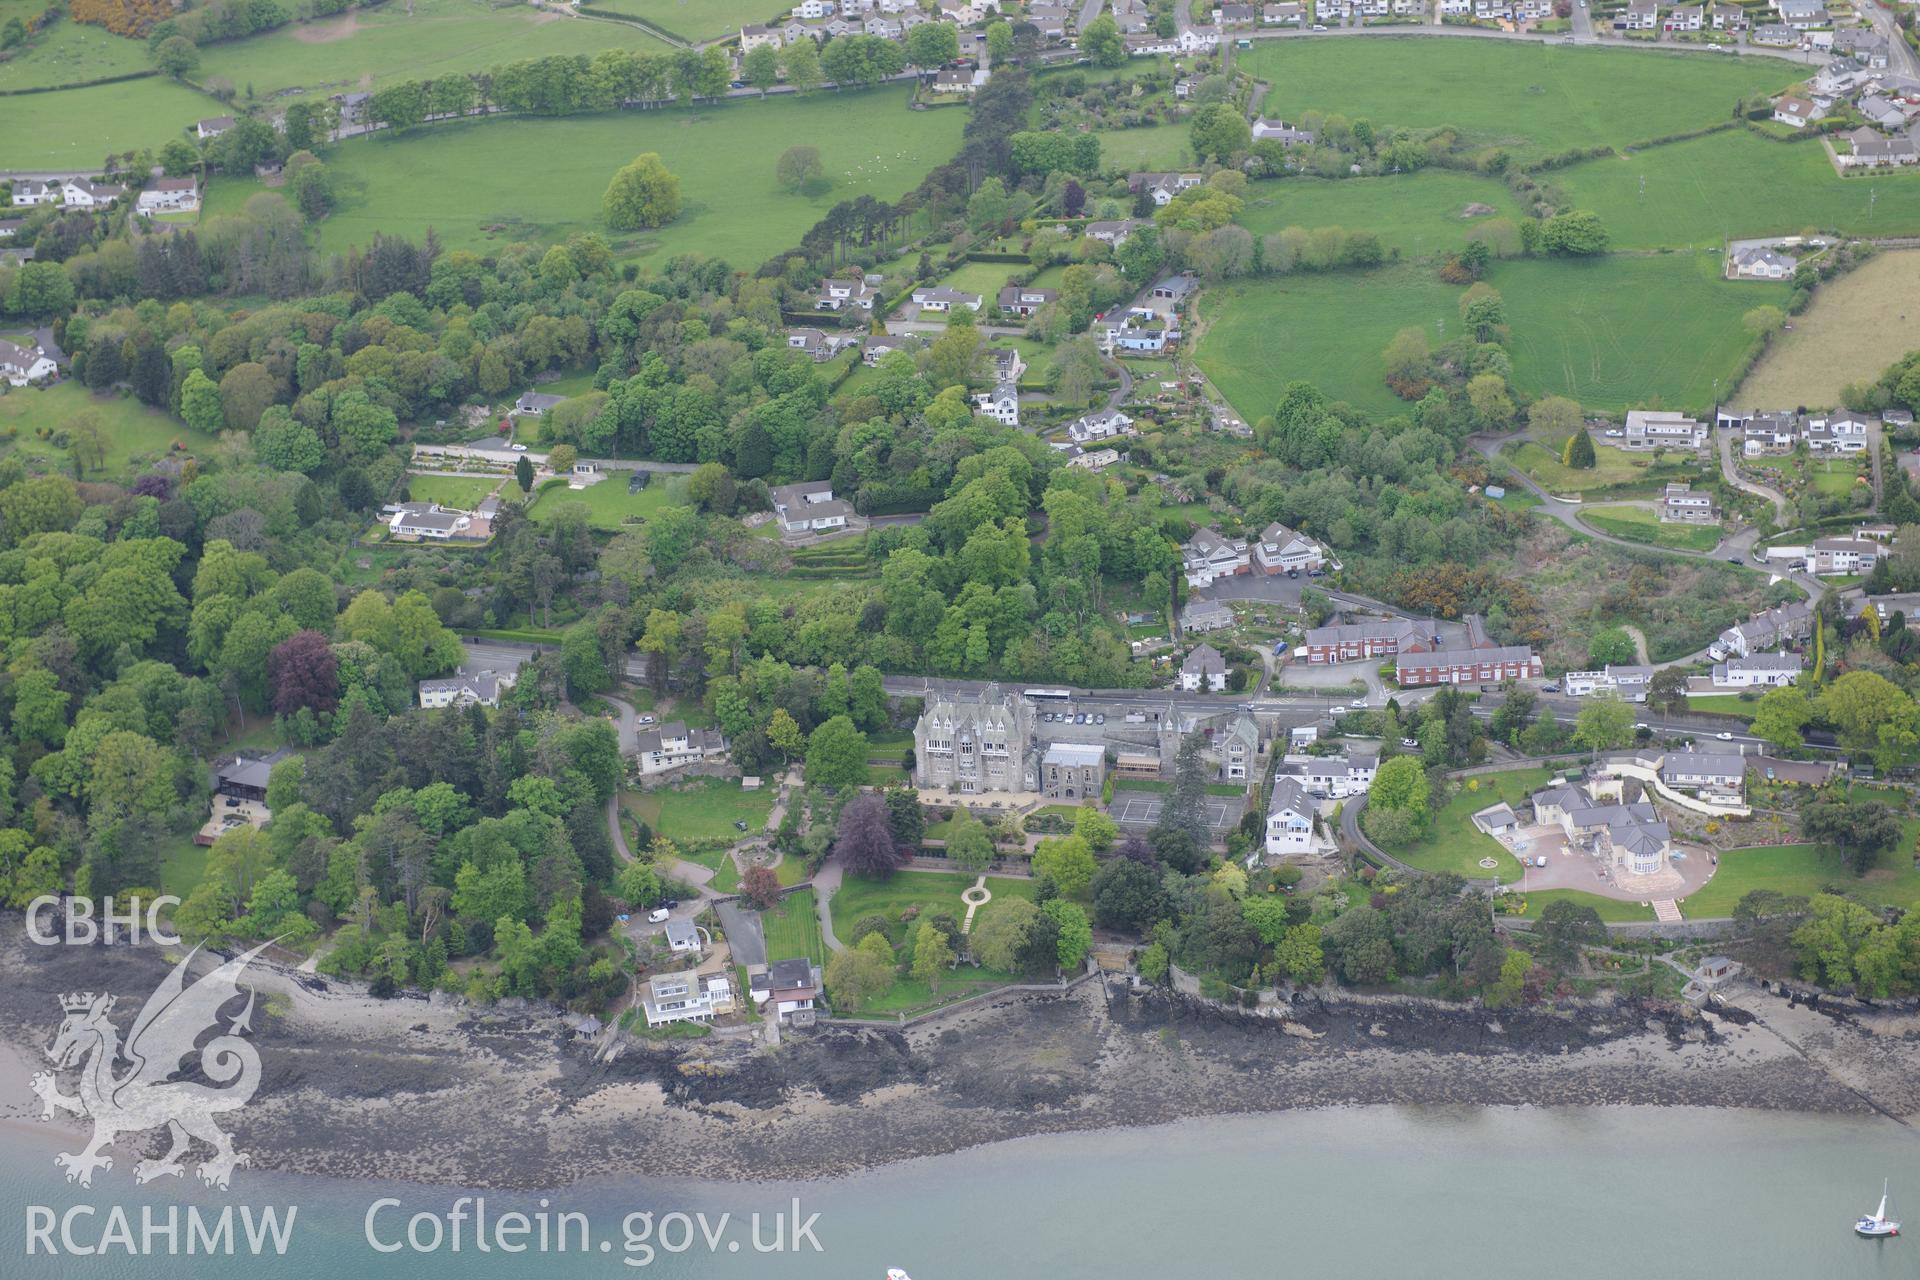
{"x": 1731, "y": 472}
{"x": 1734, "y": 546}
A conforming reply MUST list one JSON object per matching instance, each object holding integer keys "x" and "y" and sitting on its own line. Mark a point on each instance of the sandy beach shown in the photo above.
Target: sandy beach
{"x": 439, "y": 1092}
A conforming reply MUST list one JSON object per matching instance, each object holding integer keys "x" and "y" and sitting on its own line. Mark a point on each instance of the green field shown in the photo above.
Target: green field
{"x": 704, "y": 809}
{"x": 69, "y": 53}
{"x": 1456, "y": 845}
{"x": 134, "y": 431}
{"x": 792, "y": 928}
{"x": 1698, "y": 193}
{"x": 1533, "y": 98}
{"x": 1620, "y": 332}
{"x": 608, "y": 503}
{"x": 1329, "y": 329}
{"x": 1416, "y": 213}
{"x": 462, "y": 493}
{"x": 929, "y": 891}
{"x": 698, "y": 20}
{"x": 76, "y": 129}
{"x": 1613, "y": 332}
{"x": 1638, "y": 524}
{"x": 472, "y": 181}
{"x": 371, "y": 47}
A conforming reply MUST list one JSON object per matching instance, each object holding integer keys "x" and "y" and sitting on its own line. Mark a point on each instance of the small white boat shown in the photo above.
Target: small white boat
{"x": 895, "y": 1273}
{"x": 1875, "y": 1225}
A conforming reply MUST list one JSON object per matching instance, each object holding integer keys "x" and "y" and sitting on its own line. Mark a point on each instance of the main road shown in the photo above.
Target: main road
{"x": 1900, "y": 56}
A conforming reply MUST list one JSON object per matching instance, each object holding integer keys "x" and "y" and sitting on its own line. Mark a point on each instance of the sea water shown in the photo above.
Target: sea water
{"x": 1400, "y": 1192}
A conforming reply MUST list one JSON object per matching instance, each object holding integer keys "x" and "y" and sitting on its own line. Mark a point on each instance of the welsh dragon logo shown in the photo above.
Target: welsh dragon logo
{"x": 130, "y": 1088}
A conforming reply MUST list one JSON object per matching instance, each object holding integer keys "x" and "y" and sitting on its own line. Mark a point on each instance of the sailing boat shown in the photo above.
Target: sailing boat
{"x": 1878, "y": 1224}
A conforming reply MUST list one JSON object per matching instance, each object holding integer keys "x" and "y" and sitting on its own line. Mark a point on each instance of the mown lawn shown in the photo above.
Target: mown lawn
{"x": 498, "y": 181}
{"x": 1417, "y": 213}
{"x": 1456, "y": 845}
{"x": 463, "y": 493}
{"x": 182, "y": 865}
{"x": 1694, "y": 193}
{"x": 1542, "y": 461}
{"x": 703, "y": 809}
{"x": 1612, "y": 910}
{"x": 1722, "y": 704}
{"x": 1531, "y": 98}
{"x": 608, "y": 503}
{"x": 1802, "y": 869}
{"x": 923, "y": 891}
{"x": 792, "y": 928}
{"x": 135, "y": 433}
{"x": 1641, "y": 525}
{"x": 983, "y": 278}
{"x": 1831, "y": 476}
{"x": 386, "y": 45}
{"x": 1612, "y": 332}
{"x": 909, "y": 995}
{"x": 1156, "y": 146}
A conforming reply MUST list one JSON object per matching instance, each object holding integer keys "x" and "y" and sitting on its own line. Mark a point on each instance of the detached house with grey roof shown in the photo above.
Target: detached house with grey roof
{"x": 1204, "y": 670}
{"x": 673, "y": 746}
{"x": 809, "y": 507}
{"x": 1290, "y": 814}
{"x": 1209, "y": 555}
{"x": 1760, "y": 671}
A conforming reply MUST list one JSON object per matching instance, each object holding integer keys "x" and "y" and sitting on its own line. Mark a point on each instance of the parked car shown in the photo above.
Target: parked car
{"x": 1724, "y": 736}
{"x": 519, "y": 448}
{"x": 1358, "y": 704}
{"x": 1549, "y": 688}
{"x": 1643, "y": 725}
{"x": 1540, "y": 861}
{"x": 646, "y": 719}
{"x": 1411, "y": 744}
{"x": 658, "y": 915}
{"x": 1319, "y": 27}
{"x": 739, "y": 825}
{"x": 1733, "y": 559}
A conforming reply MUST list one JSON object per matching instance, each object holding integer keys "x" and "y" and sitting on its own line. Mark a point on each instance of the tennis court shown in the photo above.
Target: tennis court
{"x": 1142, "y": 809}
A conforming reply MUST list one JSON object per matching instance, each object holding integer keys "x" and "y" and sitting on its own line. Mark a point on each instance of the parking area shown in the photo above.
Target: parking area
{"x": 1142, "y": 809}
{"x": 1571, "y": 867}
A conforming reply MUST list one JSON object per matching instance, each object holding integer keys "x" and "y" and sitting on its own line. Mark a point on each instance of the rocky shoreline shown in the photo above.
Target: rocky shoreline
{"x": 439, "y": 1092}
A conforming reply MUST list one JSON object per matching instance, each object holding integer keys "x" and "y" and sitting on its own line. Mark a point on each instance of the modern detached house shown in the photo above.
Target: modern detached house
{"x": 809, "y": 507}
